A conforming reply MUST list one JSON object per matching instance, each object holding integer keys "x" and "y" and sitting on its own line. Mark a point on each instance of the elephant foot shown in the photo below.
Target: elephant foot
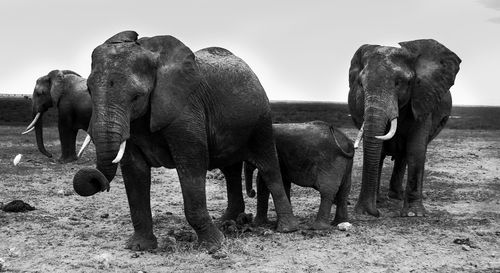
{"x": 260, "y": 221}
{"x": 413, "y": 209}
{"x": 231, "y": 214}
{"x": 287, "y": 224}
{"x": 68, "y": 159}
{"x": 364, "y": 208}
{"x": 139, "y": 242}
{"x": 210, "y": 239}
{"x": 320, "y": 225}
{"x": 398, "y": 195}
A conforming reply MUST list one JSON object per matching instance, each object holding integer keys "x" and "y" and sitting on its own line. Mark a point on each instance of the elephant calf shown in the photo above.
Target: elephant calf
{"x": 312, "y": 154}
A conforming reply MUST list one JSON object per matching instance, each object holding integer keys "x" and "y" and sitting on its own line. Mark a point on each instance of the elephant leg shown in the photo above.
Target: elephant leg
{"x": 264, "y": 157}
{"x": 137, "y": 178}
{"x": 262, "y": 202}
{"x": 190, "y": 154}
{"x": 235, "y": 202}
{"x": 288, "y": 186}
{"x": 398, "y": 173}
{"x": 328, "y": 186}
{"x": 416, "y": 150}
{"x": 342, "y": 195}
{"x": 67, "y": 137}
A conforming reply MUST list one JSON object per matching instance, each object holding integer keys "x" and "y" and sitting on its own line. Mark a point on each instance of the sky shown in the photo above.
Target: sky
{"x": 300, "y": 50}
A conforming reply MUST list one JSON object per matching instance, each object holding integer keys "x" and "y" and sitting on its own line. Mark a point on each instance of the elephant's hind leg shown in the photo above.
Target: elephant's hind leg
{"x": 398, "y": 173}
{"x": 328, "y": 186}
{"x": 235, "y": 202}
{"x": 137, "y": 178}
{"x": 264, "y": 157}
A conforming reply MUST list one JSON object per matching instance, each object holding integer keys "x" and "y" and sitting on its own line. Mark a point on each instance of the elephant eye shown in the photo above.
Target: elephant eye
{"x": 136, "y": 97}
{"x": 111, "y": 83}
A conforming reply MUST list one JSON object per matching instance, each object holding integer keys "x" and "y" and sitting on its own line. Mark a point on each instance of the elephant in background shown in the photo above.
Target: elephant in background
{"x": 156, "y": 103}
{"x": 312, "y": 154}
{"x": 67, "y": 91}
{"x": 400, "y": 99}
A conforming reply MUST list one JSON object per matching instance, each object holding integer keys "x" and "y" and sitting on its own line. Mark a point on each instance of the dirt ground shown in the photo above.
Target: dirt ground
{"x": 69, "y": 233}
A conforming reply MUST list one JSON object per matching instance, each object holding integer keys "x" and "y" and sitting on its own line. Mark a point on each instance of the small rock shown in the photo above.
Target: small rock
{"x": 411, "y": 214}
{"x": 135, "y": 255}
{"x": 466, "y": 247}
{"x": 105, "y": 215}
{"x": 219, "y": 255}
{"x": 268, "y": 233}
{"x": 344, "y": 226}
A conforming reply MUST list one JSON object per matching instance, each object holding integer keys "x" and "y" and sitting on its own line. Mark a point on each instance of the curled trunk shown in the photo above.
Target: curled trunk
{"x": 89, "y": 181}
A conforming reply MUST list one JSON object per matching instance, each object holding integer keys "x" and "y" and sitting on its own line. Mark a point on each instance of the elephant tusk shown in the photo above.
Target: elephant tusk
{"x": 32, "y": 123}
{"x": 27, "y": 131}
{"x": 120, "y": 152}
{"x": 392, "y": 131}
{"x": 359, "y": 137}
{"x": 84, "y": 145}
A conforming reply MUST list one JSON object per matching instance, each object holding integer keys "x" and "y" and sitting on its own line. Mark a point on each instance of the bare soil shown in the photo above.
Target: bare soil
{"x": 69, "y": 233}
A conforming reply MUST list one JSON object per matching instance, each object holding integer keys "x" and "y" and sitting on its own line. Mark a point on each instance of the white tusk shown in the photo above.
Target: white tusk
{"x": 27, "y": 131}
{"x": 32, "y": 123}
{"x": 84, "y": 145}
{"x": 359, "y": 137}
{"x": 120, "y": 152}
{"x": 392, "y": 131}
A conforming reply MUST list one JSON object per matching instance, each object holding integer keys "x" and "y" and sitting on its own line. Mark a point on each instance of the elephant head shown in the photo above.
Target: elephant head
{"x": 47, "y": 92}
{"x": 384, "y": 80}
{"x": 131, "y": 78}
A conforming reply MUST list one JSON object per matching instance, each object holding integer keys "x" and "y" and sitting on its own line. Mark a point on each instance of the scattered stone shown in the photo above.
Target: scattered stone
{"x": 219, "y": 255}
{"x": 467, "y": 242}
{"x": 103, "y": 260}
{"x": 344, "y": 226}
{"x": 411, "y": 214}
{"x": 466, "y": 247}
{"x": 135, "y": 255}
{"x": 105, "y": 215}
{"x": 17, "y": 206}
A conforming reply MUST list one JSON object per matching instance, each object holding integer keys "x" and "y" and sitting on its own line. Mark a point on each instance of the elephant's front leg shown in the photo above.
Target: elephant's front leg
{"x": 190, "y": 154}
{"x": 416, "y": 150}
{"x": 235, "y": 202}
{"x": 137, "y": 178}
{"x": 67, "y": 137}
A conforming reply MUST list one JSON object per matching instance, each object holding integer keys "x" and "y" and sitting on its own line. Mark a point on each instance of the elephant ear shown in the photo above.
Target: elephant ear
{"x": 177, "y": 76}
{"x": 357, "y": 63}
{"x": 436, "y": 67}
{"x": 56, "y": 85}
{"x": 356, "y": 98}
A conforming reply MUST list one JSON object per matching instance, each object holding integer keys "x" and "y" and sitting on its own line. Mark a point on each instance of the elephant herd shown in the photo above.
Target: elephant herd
{"x": 152, "y": 102}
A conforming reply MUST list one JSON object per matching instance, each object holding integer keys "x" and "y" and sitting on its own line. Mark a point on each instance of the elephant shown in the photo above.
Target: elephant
{"x": 67, "y": 91}
{"x": 399, "y": 98}
{"x": 312, "y": 154}
{"x": 158, "y": 104}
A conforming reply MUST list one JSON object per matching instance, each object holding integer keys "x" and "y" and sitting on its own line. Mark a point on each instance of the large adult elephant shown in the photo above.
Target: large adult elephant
{"x": 156, "y": 103}
{"x": 67, "y": 91}
{"x": 400, "y": 99}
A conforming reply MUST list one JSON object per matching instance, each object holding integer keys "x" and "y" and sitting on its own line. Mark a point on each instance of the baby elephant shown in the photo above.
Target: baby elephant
{"x": 312, "y": 154}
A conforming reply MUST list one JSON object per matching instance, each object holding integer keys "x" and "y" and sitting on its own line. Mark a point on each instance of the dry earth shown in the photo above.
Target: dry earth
{"x": 69, "y": 233}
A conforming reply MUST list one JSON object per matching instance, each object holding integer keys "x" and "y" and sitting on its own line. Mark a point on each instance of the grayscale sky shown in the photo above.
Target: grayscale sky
{"x": 300, "y": 50}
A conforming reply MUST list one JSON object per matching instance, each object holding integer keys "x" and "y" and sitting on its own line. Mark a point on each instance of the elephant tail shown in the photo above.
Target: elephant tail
{"x": 248, "y": 170}
{"x": 348, "y": 151}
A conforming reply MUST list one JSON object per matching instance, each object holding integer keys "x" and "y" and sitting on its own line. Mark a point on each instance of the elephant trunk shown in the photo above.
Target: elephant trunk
{"x": 249, "y": 168}
{"x": 89, "y": 181}
{"x": 375, "y": 124}
{"x": 39, "y": 135}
